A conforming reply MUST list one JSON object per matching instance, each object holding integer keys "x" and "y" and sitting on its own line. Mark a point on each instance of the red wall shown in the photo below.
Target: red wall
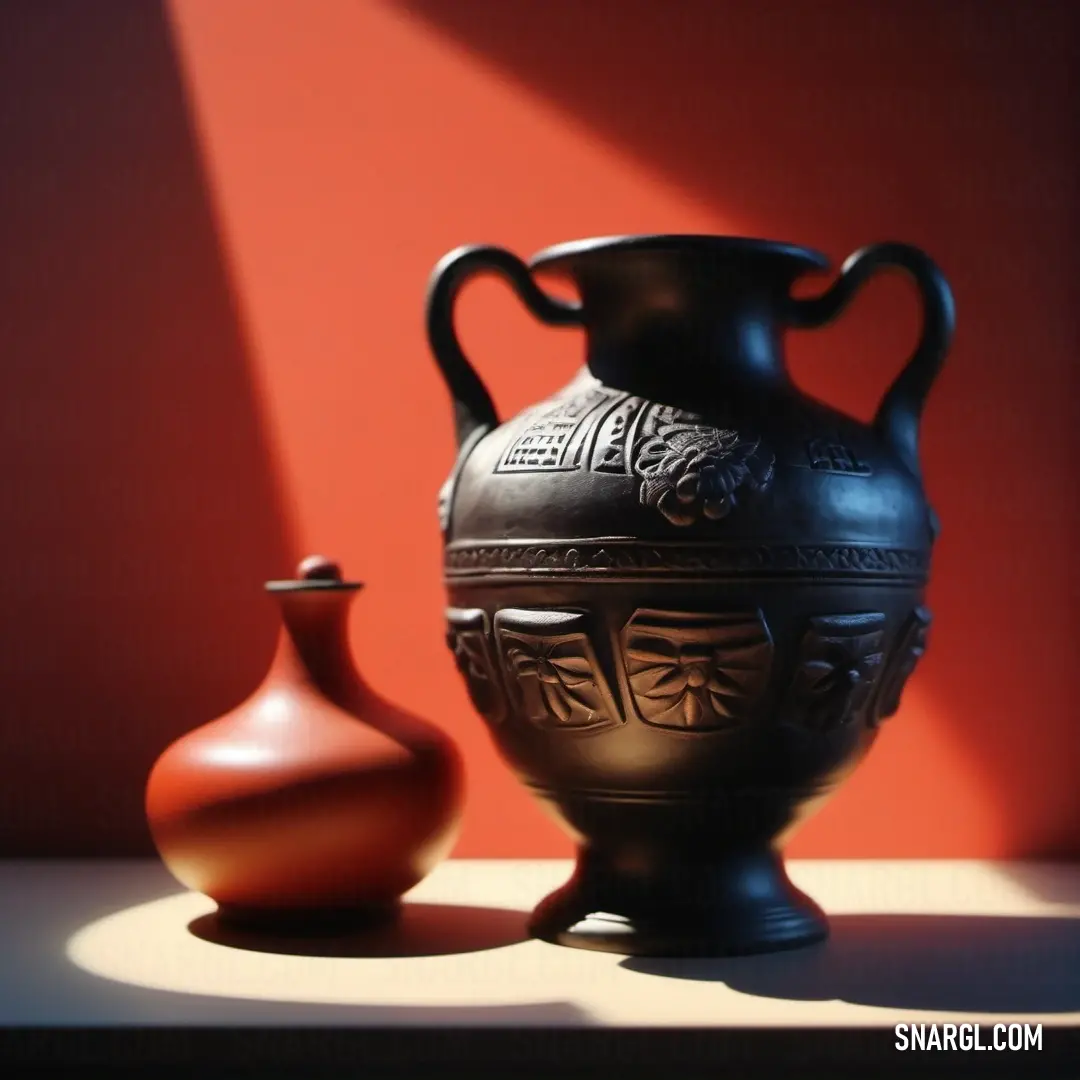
{"x": 218, "y": 226}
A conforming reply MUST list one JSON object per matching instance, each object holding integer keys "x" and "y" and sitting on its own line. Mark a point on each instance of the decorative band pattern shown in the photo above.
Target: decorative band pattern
{"x": 632, "y": 558}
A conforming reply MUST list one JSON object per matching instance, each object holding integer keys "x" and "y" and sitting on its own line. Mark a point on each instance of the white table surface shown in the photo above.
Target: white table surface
{"x": 107, "y": 943}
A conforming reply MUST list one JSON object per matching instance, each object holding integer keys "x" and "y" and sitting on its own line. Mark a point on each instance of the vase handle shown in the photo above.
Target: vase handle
{"x": 898, "y": 414}
{"x": 473, "y": 407}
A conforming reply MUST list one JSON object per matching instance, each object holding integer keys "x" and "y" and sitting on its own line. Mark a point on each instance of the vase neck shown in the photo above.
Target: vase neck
{"x": 676, "y": 327}
{"x": 695, "y": 317}
{"x": 701, "y": 351}
{"x": 313, "y": 644}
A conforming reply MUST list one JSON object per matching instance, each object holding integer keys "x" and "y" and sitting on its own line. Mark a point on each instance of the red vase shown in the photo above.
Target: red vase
{"x": 315, "y": 801}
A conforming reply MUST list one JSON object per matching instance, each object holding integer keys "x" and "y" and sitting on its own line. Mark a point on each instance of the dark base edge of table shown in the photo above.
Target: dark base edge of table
{"x": 524, "y": 1053}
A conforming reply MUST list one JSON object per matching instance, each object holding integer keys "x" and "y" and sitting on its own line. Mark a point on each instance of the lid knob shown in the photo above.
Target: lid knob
{"x": 318, "y": 568}
{"x": 314, "y": 574}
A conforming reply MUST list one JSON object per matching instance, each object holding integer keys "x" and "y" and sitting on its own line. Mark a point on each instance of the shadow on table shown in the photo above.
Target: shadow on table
{"x": 945, "y": 962}
{"x": 42, "y": 989}
{"x": 1055, "y": 882}
{"x": 420, "y": 930}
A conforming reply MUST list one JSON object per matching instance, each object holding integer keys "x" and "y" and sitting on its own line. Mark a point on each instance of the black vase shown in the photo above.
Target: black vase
{"x": 683, "y": 594}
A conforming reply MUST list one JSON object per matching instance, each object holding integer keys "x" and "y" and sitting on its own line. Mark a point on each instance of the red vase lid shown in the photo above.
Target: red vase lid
{"x": 315, "y": 572}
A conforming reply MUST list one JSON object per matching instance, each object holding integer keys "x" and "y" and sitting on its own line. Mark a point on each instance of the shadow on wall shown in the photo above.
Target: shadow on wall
{"x": 141, "y": 513}
{"x": 945, "y": 125}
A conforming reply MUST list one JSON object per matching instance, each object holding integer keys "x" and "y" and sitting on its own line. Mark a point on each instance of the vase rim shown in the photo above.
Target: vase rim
{"x": 701, "y": 243}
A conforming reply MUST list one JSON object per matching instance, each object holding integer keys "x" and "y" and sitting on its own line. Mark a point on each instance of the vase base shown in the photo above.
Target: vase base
{"x": 736, "y": 906}
{"x": 307, "y": 922}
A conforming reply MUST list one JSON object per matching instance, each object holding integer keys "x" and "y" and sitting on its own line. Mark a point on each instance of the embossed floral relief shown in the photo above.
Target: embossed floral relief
{"x": 552, "y": 669}
{"x": 697, "y": 671}
{"x": 902, "y": 661}
{"x": 839, "y": 661}
{"x": 470, "y": 641}
{"x": 689, "y": 470}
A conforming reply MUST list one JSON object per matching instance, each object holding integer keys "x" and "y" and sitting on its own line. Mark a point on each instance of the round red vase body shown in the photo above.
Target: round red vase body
{"x": 315, "y": 800}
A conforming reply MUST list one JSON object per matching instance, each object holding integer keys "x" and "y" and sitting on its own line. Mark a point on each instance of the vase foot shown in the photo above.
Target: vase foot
{"x": 734, "y": 906}
{"x": 306, "y": 922}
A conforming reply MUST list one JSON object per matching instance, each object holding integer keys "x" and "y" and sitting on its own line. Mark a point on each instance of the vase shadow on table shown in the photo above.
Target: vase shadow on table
{"x": 991, "y": 964}
{"x": 1051, "y": 882}
{"x": 419, "y": 930}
